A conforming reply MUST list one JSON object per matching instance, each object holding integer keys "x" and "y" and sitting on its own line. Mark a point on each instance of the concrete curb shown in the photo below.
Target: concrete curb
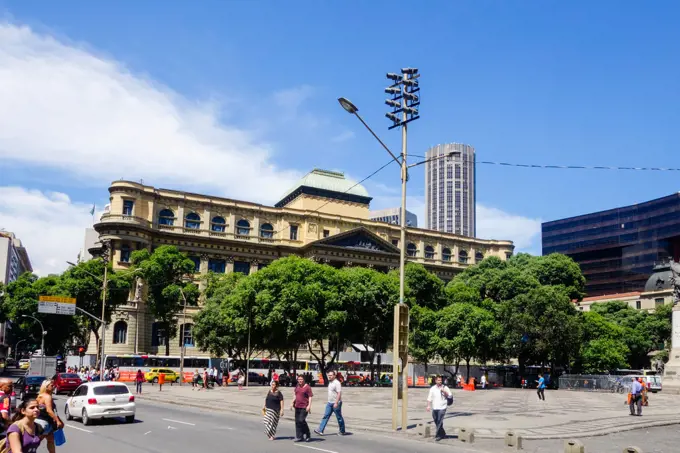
{"x": 366, "y": 425}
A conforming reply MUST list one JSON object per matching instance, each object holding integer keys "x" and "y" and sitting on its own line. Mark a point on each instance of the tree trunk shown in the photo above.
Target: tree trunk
{"x": 467, "y": 365}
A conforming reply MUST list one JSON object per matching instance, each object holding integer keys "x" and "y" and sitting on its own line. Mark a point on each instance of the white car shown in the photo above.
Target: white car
{"x": 96, "y": 400}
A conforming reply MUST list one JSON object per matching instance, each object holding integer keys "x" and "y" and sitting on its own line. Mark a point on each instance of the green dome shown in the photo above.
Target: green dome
{"x": 332, "y": 184}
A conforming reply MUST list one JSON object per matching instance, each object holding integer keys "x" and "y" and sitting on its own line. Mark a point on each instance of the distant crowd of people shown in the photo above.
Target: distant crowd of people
{"x": 93, "y": 374}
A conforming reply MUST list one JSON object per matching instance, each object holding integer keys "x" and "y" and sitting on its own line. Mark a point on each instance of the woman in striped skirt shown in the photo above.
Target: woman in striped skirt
{"x": 272, "y": 410}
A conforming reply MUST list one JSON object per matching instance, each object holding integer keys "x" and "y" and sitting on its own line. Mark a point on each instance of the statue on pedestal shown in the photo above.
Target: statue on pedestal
{"x": 138, "y": 289}
{"x": 675, "y": 281}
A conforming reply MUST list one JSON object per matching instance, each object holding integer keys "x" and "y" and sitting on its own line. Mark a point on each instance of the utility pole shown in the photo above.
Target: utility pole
{"x": 105, "y": 258}
{"x": 404, "y": 100}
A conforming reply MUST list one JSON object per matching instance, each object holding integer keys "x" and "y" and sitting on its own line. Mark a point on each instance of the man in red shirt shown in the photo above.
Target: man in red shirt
{"x": 302, "y": 404}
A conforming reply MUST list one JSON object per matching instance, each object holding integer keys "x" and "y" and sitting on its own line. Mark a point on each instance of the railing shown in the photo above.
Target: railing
{"x": 125, "y": 218}
{"x": 595, "y": 383}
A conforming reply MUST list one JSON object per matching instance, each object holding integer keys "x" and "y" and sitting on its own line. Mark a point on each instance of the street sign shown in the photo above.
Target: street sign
{"x": 56, "y": 305}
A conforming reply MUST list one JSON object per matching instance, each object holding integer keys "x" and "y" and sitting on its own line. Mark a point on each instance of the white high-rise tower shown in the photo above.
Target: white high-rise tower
{"x": 450, "y": 190}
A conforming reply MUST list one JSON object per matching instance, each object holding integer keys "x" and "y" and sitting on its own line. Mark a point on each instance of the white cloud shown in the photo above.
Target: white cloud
{"x": 291, "y": 99}
{"x": 493, "y": 223}
{"x": 65, "y": 108}
{"x": 343, "y": 137}
{"x": 86, "y": 118}
{"x": 49, "y": 224}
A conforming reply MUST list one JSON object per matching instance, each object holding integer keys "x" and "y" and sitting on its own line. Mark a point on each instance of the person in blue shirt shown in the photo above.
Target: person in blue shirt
{"x": 636, "y": 398}
{"x": 541, "y": 387}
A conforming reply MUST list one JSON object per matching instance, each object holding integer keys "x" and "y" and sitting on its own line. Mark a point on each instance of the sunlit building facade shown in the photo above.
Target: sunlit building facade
{"x": 324, "y": 217}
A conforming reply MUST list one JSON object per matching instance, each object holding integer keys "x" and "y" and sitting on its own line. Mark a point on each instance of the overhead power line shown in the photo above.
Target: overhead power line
{"x": 574, "y": 167}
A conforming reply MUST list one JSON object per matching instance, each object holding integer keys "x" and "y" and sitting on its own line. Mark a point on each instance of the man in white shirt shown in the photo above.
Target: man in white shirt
{"x": 483, "y": 381}
{"x": 437, "y": 403}
{"x": 334, "y": 405}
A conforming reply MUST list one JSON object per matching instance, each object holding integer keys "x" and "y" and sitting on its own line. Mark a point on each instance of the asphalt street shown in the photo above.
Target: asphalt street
{"x": 169, "y": 428}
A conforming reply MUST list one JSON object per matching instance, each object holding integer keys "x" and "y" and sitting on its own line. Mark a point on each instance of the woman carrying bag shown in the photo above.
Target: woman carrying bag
{"x": 48, "y": 419}
{"x": 272, "y": 410}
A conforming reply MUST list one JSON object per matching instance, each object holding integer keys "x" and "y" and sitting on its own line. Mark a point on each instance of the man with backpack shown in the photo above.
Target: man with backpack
{"x": 438, "y": 399}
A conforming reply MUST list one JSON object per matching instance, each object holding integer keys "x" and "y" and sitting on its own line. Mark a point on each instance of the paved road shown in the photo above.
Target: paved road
{"x": 164, "y": 428}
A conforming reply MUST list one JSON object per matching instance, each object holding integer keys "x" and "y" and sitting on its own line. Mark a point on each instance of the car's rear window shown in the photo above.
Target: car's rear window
{"x": 69, "y": 376}
{"x": 111, "y": 390}
{"x": 35, "y": 380}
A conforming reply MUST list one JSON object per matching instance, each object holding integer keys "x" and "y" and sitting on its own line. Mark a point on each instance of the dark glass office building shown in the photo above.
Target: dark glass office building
{"x": 617, "y": 249}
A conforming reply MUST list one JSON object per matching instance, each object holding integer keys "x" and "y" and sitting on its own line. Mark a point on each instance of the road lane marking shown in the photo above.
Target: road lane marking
{"x": 148, "y": 432}
{"x": 171, "y": 427}
{"x": 314, "y": 448}
{"x": 80, "y": 429}
{"x": 177, "y": 421}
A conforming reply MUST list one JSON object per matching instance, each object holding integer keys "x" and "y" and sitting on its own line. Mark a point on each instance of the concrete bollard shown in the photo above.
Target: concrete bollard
{"x": 574, "y": 446}
{"x": 466, "y": 435}
{"x": 424, "y": 430}
{"x": 513, "y": 440}
{"x": 632, "y": 450}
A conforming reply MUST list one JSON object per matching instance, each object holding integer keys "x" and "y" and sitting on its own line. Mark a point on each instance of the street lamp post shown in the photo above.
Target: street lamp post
{"x": 182, "y": 351}
{"x": 16, "y": 349}
{"x": 404, "y": 102}
{"x": 42, "y": 342}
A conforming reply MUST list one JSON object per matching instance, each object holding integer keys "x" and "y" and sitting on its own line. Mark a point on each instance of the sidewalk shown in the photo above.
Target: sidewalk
{"x": 564, "y": 414}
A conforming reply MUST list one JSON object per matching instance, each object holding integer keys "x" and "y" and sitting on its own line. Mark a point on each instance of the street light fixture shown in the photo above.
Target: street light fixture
{"x": 183, "y": 334}
{"x": 404, "y": 101}
{"x": 105, "y": 258}
{"x": 42, "y": 342}
{"x": 16, "y": 348}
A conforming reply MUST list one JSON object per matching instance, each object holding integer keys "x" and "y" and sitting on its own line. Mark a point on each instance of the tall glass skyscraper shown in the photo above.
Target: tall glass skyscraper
{"x": 618, "y": 248}
{"x": 450, "y": 189}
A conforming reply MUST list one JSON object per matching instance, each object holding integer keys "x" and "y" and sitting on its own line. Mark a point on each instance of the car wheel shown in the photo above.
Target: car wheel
{"x": 68, "y": 413}
{"x": 177, "y": 380}
{"x": 86, "y": 419}
{"x": 155, "y": 380}
{"x": 130, "y": 419}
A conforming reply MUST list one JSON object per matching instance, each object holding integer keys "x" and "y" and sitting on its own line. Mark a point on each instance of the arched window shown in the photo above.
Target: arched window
{"x": 157, "y": 335}
{"x": 193, "y": 221}
{"x": 462, "y": 257}
{"x": 218, "y": 224}
{"x": 446, "y": 254}
{"x": 243, "y": 227}
{"x": 411, "y": 249}
{"x": 120, "y": 332}
{"x": 185, "y": 333}
{"x": 166, "y": 217}
{"x": 197, "y": 263}
{"x": 479, "y": 257}
{"x": 267, "y": 231}
{"x": 125, "y": 253}
{"x": 429, "y": 252}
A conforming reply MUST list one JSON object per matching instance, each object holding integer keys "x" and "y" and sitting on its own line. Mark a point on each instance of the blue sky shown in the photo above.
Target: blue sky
{"x": 238, "y": 98}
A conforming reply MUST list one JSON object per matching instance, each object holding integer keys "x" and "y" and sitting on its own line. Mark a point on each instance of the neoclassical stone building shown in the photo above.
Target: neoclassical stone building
{"x": 323, "y": 217}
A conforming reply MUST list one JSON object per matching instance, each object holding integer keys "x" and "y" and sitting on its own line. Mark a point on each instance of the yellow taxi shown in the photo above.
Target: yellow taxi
{"x": 24, "y": 364}
{"x": 170, "y": 376}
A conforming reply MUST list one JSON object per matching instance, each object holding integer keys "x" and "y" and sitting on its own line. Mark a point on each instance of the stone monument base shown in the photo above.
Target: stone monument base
{"x": 671, "y": 371}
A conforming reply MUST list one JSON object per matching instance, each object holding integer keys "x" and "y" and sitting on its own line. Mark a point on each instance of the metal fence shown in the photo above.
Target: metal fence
{"x": 595, "y": 383}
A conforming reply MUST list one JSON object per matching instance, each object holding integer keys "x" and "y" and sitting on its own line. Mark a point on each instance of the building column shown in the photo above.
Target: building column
{"x": 254, "y": 266}
{"x": 230, "y": 265}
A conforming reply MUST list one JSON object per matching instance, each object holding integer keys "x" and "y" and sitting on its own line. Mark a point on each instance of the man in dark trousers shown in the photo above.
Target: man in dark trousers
{"x": 636, "y": 398}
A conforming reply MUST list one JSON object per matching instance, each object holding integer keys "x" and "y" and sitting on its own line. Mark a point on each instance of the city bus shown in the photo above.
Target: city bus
{"x": 129, "y": 364}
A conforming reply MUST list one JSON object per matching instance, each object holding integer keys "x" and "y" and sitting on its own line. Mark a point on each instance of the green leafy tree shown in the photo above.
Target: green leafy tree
{"x": 422, "y": 287}
{"x": 84, "y": 282}
{"x": 165, "y": 272}
{"x": 20, "y": 298}
{"x": 467, "y": 331}
{"x": 424, "y": 342}
{"x": 557, "y": 270}
{"x": 541, "y": 327}
{"x": 370, "y": 297}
